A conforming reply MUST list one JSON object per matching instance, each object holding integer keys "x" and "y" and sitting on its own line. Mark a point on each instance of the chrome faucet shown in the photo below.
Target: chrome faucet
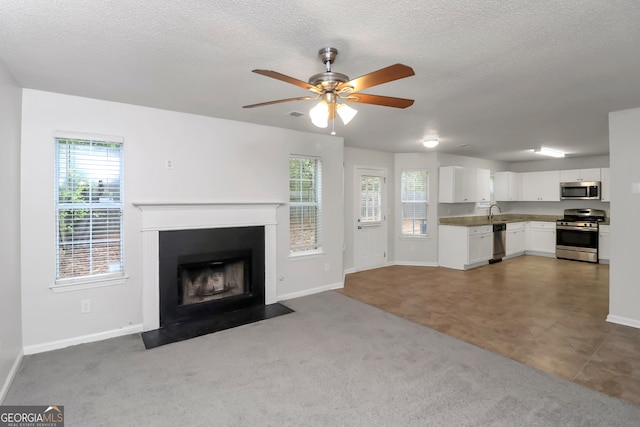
{"x": 490, "y": 216}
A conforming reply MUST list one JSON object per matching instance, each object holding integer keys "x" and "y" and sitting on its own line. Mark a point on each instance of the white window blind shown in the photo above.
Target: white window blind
{"x": 305, "y": 204}
{"x": 414, "y": 199}
{"x": 88, "y": 209}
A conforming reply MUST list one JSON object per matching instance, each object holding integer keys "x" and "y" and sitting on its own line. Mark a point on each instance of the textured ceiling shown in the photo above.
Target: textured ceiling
{"x": 493, "y": 78}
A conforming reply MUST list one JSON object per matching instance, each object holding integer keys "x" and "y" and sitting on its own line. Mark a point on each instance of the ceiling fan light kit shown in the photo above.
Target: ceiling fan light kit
{"x": 330, "y": 87}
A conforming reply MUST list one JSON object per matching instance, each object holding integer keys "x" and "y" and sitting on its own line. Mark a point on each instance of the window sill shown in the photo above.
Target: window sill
{"x": 417, "y": 237}
{"x": 299, "y": 256}
{"x": 79, "y": 285}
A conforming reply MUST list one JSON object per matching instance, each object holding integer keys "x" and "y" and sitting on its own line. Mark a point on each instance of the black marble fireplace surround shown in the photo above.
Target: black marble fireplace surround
{"x": 197, "y": 249}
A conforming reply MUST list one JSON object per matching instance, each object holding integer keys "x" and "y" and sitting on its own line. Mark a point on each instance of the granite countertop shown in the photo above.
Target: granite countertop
{"x": 467, "y": 221}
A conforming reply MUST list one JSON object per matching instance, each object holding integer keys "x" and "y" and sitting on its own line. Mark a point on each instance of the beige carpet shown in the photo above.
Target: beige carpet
{"x": 335, "y": 361}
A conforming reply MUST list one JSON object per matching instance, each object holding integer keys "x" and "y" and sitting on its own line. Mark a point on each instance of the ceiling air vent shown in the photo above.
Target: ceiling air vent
{"x": 295, "y": 114}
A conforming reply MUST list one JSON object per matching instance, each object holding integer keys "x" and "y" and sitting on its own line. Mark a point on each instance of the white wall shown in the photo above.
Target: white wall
{"x": 354, "y": 158}
{"x": 214, "y": 160}
{"x": 10, "y": 315}
{"x": 624, "y": 286}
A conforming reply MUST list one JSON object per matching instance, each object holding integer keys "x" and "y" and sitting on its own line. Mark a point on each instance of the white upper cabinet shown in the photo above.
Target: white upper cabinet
{"x": 579, "y": 175}
{"x": 541, "y": 186}
{"x": 605, "y": 185}
{"x": 464, "y": 185}
{"x": 457, "y": 185}
{"x": 506, "y": 186}
{"x": 483, "y": 185}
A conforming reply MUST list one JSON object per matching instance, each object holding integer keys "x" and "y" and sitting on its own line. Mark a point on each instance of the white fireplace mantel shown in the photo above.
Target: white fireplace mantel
{"x": 162, "y": 216}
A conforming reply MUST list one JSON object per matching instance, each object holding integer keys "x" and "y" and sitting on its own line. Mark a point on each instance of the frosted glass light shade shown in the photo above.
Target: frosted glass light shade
{"x": 320, "y": 114}
{"x": 431, "y": 143}
{"x": 548, "y": 152}
{"x": 346, "y": 113}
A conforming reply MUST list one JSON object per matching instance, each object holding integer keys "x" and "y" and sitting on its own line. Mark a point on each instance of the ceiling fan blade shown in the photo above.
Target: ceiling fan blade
{"x": 287, "y": 79}
{"x": 389, "y": 74}
{"x": 385, "y": 101}
{"x": 301, "y": 98}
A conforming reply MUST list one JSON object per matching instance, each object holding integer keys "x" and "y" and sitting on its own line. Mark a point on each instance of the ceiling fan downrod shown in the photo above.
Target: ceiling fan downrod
{"x": 328, "y": 55}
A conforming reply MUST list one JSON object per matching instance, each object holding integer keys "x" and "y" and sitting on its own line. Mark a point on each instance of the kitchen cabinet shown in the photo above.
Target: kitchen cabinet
{"x": 579, "y": 175}
{"x": 603, "y": 243}
{"x": 483, "y": 185}
{"x": 506, "y": 186}
{"x": 605, "y": 185}
{"x": 541, "y": 186}
{"x": 515, "y": 239}
{"x": 462, "y": 247}
{"x": 541, "y": 237}
{"x": 458, "y": 184}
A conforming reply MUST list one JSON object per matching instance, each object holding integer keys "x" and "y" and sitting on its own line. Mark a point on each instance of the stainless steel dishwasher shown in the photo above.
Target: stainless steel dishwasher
{"x": 499, "y": 239}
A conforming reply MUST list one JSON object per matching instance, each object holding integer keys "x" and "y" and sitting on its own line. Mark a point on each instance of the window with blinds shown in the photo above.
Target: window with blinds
{"x": 88, "y": 209}
{"x": 305, "y": 204}
{"x": 414, "y": 199}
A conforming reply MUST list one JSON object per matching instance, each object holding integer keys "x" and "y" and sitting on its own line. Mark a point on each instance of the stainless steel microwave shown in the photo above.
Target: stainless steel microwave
{"x": 580, "y": 190}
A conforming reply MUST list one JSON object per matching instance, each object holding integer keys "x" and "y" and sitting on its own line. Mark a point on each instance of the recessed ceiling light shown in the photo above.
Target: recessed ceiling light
{"x": 548, "y": 152}
{"x": 295, "y": 114}
{"x": 430, "y": 143}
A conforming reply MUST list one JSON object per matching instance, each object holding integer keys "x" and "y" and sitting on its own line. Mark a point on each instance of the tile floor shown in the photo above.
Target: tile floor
{"x": 545, "y": 312}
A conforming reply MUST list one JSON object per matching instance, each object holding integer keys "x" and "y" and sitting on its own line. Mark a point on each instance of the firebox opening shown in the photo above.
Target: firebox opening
{"x": 212, "y": 280}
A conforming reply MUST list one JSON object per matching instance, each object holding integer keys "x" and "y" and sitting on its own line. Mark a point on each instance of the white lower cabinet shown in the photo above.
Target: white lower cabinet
{"x": 464, "y": 247}
{"x": 515, "y": 239}
{"x": 603, "y": 243}
{"x": 541, "y": 237}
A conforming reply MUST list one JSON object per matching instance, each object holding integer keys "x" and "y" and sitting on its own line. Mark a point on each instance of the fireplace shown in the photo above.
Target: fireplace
{"x": 206, "y": 272}
{"x": 200, "y": 274}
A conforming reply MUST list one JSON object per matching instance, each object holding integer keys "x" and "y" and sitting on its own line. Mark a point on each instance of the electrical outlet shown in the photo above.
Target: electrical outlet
{"x": 327, "y": 267}
{"x": 169, "y": 164}
{"x": 85, "y": 306}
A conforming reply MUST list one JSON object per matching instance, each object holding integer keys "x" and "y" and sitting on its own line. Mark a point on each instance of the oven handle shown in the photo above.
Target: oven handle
{"x": 566, "y": 227}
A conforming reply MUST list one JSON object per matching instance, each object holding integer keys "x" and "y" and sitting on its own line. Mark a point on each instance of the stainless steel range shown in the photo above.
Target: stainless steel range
{"x": 577, "y": 234}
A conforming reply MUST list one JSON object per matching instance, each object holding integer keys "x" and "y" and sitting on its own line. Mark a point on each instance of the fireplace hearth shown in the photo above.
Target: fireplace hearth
{"x": 210, "y": 280}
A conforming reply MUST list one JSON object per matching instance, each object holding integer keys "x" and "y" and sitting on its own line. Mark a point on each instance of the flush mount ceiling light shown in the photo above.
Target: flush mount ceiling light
{"x": 548, "y": 152}
{"x": 431, "y": 143}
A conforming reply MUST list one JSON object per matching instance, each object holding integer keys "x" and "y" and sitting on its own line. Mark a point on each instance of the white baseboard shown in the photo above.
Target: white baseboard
{"x": 349, "y": 271}
{"x": 623, "y": 321}
{"x": 12, "y": 374}
{"x": 416, "y": 264}
{"x": 55, "y": 345}
{"x": 310, "y": 291}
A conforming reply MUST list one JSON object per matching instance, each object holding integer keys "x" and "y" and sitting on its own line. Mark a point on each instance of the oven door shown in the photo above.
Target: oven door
{"x": 578, "y": 243}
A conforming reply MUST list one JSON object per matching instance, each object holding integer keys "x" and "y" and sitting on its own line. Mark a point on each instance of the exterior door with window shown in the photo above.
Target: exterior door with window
{"x": 371, "y": 222}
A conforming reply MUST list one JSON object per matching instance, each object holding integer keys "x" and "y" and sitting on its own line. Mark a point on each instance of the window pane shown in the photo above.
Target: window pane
{"x": 370, "y": 199}
{"x": 89, "y": 208}
{"x": 305, "y": 203}
{"x": 414, "y": 187}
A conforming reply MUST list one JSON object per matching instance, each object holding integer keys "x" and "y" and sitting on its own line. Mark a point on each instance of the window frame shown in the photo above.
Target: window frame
{"x": 297, "y": 251}
{"x": 413, "y": 235}
{"x": 79, "y": 282}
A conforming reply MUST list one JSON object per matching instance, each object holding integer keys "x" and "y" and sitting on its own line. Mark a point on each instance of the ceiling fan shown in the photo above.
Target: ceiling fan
{"x": 330, "y": 87}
